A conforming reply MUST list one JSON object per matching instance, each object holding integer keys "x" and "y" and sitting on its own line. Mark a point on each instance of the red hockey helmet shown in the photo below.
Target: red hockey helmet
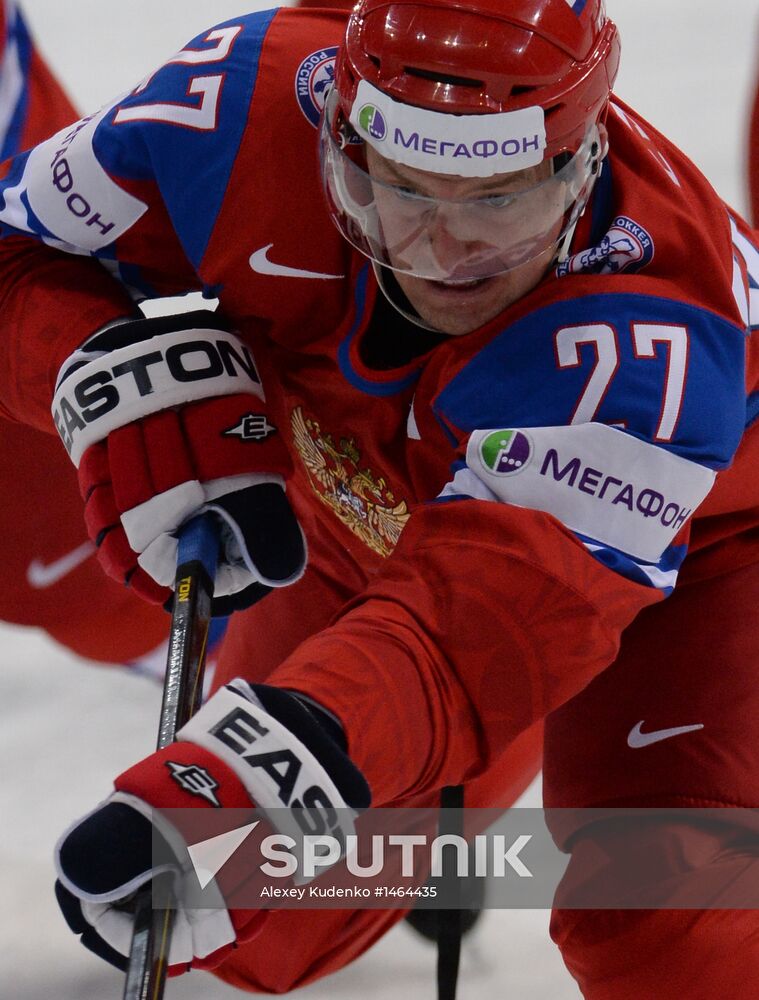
{"x": 468, "y": 57}
{"x": 471, "y": 88}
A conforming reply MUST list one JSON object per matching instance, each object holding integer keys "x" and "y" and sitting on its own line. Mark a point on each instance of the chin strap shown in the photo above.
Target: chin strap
{"x": 388, "y": 292}
{"x": 562, "y": 250}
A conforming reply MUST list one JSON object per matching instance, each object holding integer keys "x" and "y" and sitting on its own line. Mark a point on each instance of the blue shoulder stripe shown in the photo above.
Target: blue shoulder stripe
{"x": 520, "y": 378}
{"x": 145, "y": 136}
{"x": 17, "y": 57}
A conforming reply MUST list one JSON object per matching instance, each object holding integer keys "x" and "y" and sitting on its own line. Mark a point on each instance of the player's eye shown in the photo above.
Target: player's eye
{"x": 406, "y": 193}
{"x": 496, "y": 200}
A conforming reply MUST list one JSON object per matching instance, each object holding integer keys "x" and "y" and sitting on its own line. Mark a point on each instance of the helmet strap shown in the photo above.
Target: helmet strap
{"x": 394, "y": 295}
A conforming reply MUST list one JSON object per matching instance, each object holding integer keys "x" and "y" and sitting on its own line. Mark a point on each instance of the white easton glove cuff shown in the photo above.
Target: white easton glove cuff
{"x": 235, "y": 727}
{"x": 99, "y": 395}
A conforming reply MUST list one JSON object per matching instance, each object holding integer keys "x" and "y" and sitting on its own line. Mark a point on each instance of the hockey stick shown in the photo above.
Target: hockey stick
{"x": 182, "y": 689}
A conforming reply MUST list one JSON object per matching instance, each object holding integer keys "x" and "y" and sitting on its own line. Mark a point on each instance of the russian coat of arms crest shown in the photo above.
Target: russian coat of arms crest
{"x": 358, "y": 497}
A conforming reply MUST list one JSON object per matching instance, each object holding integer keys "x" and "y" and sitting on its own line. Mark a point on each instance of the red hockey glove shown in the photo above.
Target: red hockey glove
{"x": 165, "y": 418}
{"x": 240, "y": 751}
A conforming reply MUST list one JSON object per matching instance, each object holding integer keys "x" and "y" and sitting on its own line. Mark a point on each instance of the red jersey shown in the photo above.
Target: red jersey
{"x": 494, "y": 509}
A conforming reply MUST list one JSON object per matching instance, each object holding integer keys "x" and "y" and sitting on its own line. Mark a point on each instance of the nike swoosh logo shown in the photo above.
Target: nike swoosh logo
{"x": 42, "y": 575}
{"x": 637, "y": 739}
{"x": 260, "y": 263}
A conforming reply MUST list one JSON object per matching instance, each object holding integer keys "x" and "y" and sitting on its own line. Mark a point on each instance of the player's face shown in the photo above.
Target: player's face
{"x": 465, "y": 228}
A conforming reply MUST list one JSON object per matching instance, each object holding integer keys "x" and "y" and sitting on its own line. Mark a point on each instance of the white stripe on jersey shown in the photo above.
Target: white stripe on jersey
{"x": 750, "y": 255}
{"x": 465, "y": 483}
{"x": 739, "y": 292}
{"x": 659, "y": 578}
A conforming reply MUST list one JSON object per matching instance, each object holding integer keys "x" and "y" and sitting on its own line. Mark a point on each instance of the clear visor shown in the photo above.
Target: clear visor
{"x": 398, "y": 224}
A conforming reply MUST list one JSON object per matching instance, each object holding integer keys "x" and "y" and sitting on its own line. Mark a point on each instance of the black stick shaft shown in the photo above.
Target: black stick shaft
{"x": 182, "y": 691}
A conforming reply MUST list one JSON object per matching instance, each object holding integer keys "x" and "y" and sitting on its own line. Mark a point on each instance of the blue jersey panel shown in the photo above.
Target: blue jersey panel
{"x": 18, "y": 51}
{"x": 752, "y": 408}
{"x": 519, "y": 381}
{"x": 184, "y": 129}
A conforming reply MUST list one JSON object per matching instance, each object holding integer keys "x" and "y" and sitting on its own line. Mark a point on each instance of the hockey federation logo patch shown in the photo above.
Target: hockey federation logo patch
{"x": 313, "y": 79}
{"x": 251, "y": 427}
{"x": 195, "y": 780}
{"x": 625, "y": 247}
{"x": 506, "y": 452}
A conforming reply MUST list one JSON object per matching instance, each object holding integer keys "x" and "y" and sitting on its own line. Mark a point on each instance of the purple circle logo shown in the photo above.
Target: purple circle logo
{"x": 372, "y": 121}
{"x": 506, "y": 452}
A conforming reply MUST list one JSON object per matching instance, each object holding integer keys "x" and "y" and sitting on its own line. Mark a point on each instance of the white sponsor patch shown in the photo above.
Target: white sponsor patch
{"x": 598, "y": 481}
{"x": 70, "y": 192}
{"x": 468, "y": 145}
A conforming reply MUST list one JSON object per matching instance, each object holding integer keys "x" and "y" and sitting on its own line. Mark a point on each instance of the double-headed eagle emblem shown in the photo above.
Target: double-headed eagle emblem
{"x": 359, "y": 498}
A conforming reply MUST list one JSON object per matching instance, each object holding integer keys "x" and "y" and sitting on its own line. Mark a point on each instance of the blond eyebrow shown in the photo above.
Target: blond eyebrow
{"x": 390, "y": 168}
{"x": 490, "y": 184}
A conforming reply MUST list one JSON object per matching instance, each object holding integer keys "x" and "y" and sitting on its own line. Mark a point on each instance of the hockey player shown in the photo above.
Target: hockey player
{"x": 505, "y": 370}
{"x": 50, "y": 577}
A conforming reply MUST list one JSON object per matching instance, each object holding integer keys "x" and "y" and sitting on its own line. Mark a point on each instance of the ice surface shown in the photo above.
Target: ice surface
{"x": 66, "y": 728}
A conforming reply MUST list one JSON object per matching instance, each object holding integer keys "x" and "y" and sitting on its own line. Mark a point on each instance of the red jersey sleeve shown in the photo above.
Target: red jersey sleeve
{"x": 484, "y": 619}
